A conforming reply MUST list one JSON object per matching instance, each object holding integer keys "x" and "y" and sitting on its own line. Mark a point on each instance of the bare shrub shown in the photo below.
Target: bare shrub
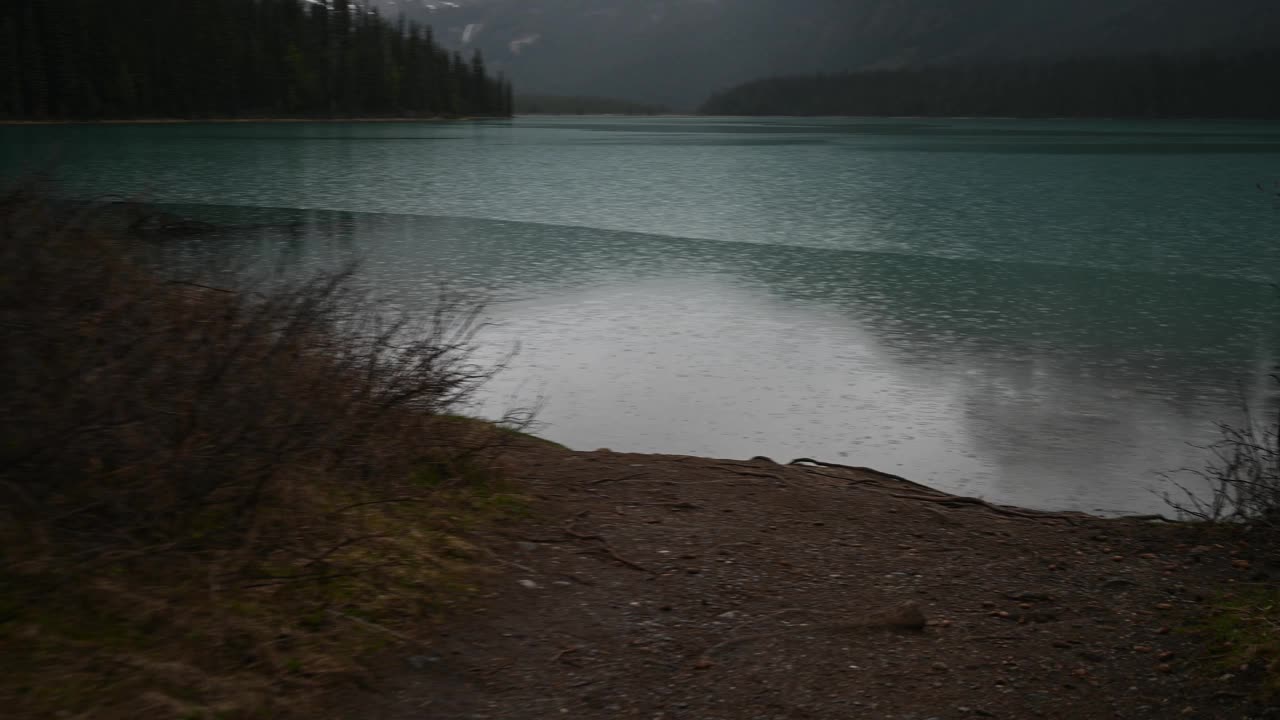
{"x": 1241, "y": 483}
{"x": 178, "y": 444}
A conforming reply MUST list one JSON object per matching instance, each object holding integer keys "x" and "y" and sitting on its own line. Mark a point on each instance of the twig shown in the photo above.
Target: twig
{"x": 515, "y": 565}
{"x": 858, "y": 468}
{"x": 672, "y": 505}
{"x": 341, "y": 545}
{"x": 871, "y": 481}
{"x": 567, "y": 651}
{"x": 959, "y": 500}
{"x": 385, "y": 501}
{"x": 602, "y": 481}
{"x": 747, "y": 471}
{"x": 375, "y": 626}
{"x": 607, "y": 548}
{"x": 198, "y": 285}
{"x": 633, "y": 565}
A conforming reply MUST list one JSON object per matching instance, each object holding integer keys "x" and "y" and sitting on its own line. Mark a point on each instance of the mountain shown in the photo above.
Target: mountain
{"x": 676, "y": 52}
{"x": 1200, "y": 84}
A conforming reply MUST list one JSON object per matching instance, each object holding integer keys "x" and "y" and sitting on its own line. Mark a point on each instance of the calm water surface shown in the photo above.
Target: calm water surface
{"x": 1040, "y": 313}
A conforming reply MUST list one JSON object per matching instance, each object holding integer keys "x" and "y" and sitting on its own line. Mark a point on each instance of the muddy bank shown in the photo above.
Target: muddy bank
{"x": 654, "y": 586}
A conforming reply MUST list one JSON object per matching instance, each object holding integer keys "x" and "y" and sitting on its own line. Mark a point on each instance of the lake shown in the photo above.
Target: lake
{"x": 1043, "y": 313}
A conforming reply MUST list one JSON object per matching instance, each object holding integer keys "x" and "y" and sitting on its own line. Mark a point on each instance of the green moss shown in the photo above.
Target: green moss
{"x": 1243, "y": 634}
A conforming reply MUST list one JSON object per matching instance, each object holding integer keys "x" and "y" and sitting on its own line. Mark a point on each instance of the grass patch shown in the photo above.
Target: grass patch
{"x": 1242, "y": 631}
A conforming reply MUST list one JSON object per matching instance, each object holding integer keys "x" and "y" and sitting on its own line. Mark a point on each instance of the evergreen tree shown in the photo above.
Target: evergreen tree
{"x": 86, "y": 59}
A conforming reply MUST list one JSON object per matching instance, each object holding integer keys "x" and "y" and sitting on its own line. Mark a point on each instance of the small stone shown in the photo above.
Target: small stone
{"x": 1116, "y": 583}
{"x": 1029, "y": 596}
{"x": 1241, "y": 564}
{"x": 422, "y": 662}
{"x": 703, "y": 664}
{"x": 528, "y": 584}
{"x": 1165, "y": 668}
{"x": 1117, "y": 558}
{"x": 1164, "y": 606}
{"x": 907, "y": 616}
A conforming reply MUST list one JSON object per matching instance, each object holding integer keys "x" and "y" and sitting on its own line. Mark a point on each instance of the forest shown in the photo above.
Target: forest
{"x": 139, "y": 59}
{"x": 1187, "y": 85}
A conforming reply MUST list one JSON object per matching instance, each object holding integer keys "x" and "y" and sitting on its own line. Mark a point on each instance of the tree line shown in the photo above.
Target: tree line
{"x": 1191, "y": 85}
{"x": 583, "y": 105}
{"x": 89, "y": 59}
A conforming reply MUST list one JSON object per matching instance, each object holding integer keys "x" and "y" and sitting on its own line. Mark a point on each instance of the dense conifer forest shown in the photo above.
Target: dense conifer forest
{"x": 94, "y": 59}
{"x": 1222, "y": 85}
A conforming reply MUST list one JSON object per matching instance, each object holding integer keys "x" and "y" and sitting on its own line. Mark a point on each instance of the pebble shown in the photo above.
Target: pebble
{"x": 529, "y": 584}
{"x": 1116, "y": 583}
{"x": 422, "y": 662}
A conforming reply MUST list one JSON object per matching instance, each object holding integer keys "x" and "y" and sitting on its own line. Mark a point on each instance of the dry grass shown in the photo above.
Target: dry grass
{"x": 213, "y": 502}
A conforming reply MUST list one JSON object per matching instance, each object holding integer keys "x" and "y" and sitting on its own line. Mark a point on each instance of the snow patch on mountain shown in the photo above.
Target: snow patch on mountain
{"x": 520, "y": 43}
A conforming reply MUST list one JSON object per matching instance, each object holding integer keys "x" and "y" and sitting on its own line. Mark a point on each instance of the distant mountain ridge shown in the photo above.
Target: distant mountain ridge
{"x": 677, "y": 52}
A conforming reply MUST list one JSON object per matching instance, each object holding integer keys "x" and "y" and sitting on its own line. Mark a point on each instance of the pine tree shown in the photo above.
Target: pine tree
{"x": 202, "y": 58}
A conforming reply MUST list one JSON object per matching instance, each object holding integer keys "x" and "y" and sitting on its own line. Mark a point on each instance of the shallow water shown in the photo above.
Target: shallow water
{"x": 1041, "y": 313}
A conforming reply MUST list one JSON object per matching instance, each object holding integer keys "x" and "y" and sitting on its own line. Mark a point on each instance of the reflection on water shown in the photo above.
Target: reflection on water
{"x": 1043, "y": 386}
{"x": 1042, "y": 313}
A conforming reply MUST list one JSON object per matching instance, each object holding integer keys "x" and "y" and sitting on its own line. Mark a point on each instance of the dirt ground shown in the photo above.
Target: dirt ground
{"x": 648, "y": 586}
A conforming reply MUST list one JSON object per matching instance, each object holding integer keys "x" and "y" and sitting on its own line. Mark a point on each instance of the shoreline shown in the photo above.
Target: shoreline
{"x": 249, "y": 120}
{"x": 701, "y": 575}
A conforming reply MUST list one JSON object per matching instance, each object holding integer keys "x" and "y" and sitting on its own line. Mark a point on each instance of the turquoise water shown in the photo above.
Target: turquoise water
{"x": 1042, "y": 313}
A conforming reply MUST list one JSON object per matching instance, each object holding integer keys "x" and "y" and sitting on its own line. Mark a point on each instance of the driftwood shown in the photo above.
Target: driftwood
{"x": 802, "y": 462}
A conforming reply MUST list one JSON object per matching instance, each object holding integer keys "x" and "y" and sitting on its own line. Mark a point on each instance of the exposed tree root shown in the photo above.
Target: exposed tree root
{"x": 607, "y": 548}
{"x": 953, "y": 500}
